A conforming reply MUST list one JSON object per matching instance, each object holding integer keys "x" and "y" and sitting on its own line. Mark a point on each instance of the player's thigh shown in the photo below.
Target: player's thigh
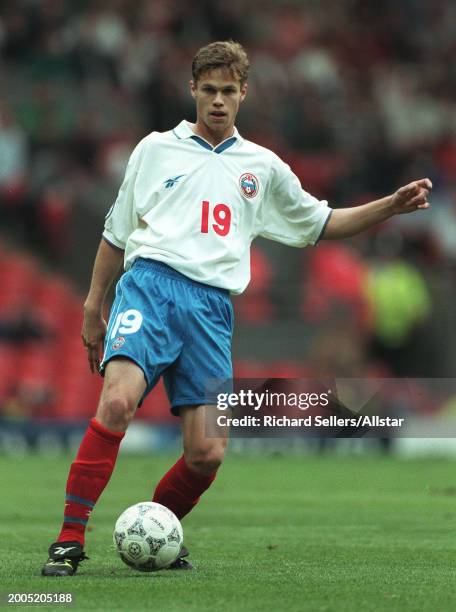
{"x": 124, "y": 386}
{"x": 140, "y": 324}
{"x": 204, "y": 440}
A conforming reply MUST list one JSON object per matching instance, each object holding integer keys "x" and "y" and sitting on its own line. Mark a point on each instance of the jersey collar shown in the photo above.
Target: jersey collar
{"x": 183, "y": 130}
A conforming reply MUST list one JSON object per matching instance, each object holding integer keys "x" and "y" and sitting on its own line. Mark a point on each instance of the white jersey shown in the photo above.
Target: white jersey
{"x": 197, "y": 208}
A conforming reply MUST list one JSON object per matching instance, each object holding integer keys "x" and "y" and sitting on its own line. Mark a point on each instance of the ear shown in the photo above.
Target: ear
{"x": 243, "y": 92}
{"x": 192, "y": 88}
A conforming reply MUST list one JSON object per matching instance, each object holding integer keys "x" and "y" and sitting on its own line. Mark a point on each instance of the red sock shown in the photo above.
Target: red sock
{"x": 89, "y": 474}
{"x": 181, "y": 487}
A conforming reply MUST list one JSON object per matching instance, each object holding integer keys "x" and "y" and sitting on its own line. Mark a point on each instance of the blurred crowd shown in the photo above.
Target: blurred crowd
{"x": 358, "y": 97}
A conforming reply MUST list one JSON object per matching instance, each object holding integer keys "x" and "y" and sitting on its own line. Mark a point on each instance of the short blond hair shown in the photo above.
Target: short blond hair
{"x": 222, "y": 54}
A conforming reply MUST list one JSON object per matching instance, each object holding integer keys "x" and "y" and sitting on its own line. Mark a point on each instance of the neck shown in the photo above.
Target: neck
{"x": 212, "y": 137}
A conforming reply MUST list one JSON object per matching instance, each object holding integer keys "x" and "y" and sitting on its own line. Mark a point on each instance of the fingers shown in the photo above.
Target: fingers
{"x": 93, "y": 335}
{"x": 414, "y": 196}
{"x": 426, "y": 183}
{"x": 420, "y": 200}
{"x": 94, "y": 353}
{"x": 415, "y": 186}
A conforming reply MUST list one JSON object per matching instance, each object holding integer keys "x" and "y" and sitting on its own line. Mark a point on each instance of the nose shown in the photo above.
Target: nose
{"x": 218, "y": 100}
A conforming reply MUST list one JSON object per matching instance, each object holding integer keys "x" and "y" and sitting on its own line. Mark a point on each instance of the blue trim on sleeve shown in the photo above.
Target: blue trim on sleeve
{"x": 320, "y": 236}
{"x": 114, "y": 246}
{"x": 110, "y": 211}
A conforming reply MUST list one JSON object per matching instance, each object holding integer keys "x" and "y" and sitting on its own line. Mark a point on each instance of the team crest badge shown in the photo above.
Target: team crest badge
{"x": 118, "y": 343}
{"x": 249, "y": 185}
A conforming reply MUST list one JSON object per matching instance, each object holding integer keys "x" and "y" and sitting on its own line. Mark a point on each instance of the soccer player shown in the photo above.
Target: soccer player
{"x": 192, "y": 201}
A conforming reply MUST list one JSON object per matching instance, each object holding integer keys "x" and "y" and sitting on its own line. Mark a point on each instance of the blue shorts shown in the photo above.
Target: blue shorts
{"x": 173, "y": 326}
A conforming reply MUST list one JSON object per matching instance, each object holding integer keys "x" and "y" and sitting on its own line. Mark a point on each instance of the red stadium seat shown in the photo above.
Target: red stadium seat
{"x": 336, "y": 282}
{"x": 37, "y": 364}
{"x": 54, "y": 301}
{"x": 8, "y": 376}
{"x": 254, "y": 306}
{"x": 18, "y": 277}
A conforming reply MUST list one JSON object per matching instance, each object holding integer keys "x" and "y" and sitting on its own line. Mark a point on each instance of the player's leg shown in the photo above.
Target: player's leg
{"x": 195, "y": 349}
{"x": 91, "y": 470}
{"x": 124, "y": 385}
{"x": 182, "y": 486}
{"x": 205, "y": 359}
{"x": 139, "y": 345}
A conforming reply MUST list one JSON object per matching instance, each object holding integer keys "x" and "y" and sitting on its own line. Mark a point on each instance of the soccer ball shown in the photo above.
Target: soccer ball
{"x": 148, "y": 536}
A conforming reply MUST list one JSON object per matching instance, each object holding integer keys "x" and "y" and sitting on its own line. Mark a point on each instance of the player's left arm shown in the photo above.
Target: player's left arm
{"x": 346, "y": 222}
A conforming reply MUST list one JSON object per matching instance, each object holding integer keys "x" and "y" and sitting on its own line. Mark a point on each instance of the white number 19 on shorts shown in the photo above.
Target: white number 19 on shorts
{"x": 127, "y": 322}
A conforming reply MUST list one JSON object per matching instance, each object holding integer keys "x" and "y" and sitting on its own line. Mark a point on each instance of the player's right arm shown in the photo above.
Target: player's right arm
{"x": 106, "y": 267}
{"x": 120, "y": 222}
{"x": 289, "y": 214}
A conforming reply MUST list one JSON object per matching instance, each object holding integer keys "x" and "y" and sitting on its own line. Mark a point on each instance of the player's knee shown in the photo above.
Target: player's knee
{"x": 205, "y": 460}
{"x": 115, "y": 413}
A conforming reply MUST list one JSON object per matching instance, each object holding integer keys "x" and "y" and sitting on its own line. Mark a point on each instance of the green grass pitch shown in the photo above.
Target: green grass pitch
{"x": 276, "y": 533}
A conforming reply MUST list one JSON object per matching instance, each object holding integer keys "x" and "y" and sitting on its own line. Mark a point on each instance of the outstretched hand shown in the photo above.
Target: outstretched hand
{"x": 411, "y": 197}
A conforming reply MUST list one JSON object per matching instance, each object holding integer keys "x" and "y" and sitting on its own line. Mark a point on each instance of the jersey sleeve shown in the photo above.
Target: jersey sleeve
{"x": 289, "y": 214}
{"x": 122, "y": 218}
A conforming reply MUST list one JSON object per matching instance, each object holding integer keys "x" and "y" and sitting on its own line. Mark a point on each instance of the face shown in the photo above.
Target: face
{"x": 218, "y": 96}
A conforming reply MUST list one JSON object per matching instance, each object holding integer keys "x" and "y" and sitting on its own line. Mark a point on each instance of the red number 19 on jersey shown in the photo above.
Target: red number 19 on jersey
{"x": 221, "y": 215}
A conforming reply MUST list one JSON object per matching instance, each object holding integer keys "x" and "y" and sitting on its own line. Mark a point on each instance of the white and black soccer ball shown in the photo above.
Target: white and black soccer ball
{"x": 148, "y": 536}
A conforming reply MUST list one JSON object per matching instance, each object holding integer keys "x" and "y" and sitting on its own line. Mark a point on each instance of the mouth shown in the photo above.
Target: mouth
{"x": 217, "y": 115}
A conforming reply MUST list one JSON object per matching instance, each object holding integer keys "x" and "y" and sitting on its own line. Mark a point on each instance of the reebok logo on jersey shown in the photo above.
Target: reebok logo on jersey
{"x": 61, "y": 551}
{"x": 172, "y": 181}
